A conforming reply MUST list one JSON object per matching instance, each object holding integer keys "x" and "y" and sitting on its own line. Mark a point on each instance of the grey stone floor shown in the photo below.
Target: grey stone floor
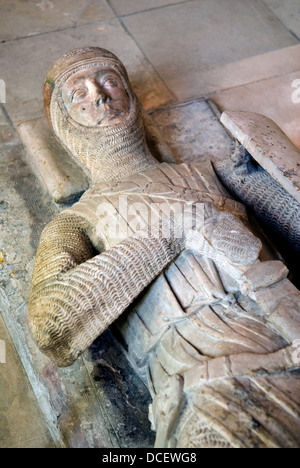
{"x": 242, "y": 54}
{"x": 21, "y": 422}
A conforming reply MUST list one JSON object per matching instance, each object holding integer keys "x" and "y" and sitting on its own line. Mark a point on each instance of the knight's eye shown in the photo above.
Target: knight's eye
{"x": 110, "y": 83}
{"x": 78, "y": 95}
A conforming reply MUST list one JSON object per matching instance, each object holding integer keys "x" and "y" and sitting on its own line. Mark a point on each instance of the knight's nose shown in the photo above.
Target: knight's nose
{"x": 101, "y": 97}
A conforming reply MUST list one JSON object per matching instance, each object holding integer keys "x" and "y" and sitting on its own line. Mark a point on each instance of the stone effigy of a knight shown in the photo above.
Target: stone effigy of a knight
{"x": 214, "y": 335}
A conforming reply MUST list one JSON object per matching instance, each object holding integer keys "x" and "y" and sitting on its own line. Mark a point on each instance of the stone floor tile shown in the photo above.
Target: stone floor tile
{"x": 26, "y": 18}
{"x": 273, "y": 98}
{"x": 288, "y": 12}
{"x": 221, "y": 77}
{"x": 127, "y": 7}
{"x": 183, "y": 40}
{"x": 21, "y": 423}
{"x": 25, "y": 62}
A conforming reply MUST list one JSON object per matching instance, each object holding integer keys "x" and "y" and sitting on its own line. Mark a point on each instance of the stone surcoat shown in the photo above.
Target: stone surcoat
{"x": 194, "y": 318}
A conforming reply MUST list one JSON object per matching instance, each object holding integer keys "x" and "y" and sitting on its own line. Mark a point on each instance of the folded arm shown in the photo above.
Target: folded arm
{"x": 76, "y": 295}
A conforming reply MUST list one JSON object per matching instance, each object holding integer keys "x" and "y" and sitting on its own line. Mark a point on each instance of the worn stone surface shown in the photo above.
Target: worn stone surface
{"x": 16, "y": 254}
{"x": 263, "y": 275}
{"x": 288, "y": 12}
{"x": 20, "y": 19}
{"x": 255, "y": 32}
{"x": 269, "y": 299}
{"x": 215, "y": 78}
{"x": 286, "y": 318}
{"x": 190, "y": 129}
{"x": 268, "y": 145}
{"x": 18, "y": 406}
{"x": 131, "y": 6}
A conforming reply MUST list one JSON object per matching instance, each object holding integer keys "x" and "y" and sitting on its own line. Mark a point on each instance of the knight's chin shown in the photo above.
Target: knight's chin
{"x": 111, "y": 119}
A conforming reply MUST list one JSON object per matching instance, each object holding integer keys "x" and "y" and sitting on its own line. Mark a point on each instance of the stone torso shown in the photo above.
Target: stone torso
{"x": 117, "y": 210}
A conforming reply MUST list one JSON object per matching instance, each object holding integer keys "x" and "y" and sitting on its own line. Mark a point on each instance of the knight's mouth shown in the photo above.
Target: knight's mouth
{"x": 111, "y": 115}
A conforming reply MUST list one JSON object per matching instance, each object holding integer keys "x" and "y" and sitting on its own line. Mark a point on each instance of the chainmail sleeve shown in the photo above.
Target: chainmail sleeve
{"x": 251, "y": 184}
{"x": 75, "y": 295}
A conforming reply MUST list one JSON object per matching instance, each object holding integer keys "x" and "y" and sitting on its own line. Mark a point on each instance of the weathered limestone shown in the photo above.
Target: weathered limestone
{"x": 188, "y": 322}
{"x": 288, "y": 15}
{"x": 261, "y": 276}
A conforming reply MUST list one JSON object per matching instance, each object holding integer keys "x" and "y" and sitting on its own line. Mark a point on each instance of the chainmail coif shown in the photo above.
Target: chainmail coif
{"x": 104, "y": 153}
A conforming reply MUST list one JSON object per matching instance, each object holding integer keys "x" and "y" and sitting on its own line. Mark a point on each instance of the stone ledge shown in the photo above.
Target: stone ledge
{"x": 268, "y": 145}
{"x": 63, "y": 178}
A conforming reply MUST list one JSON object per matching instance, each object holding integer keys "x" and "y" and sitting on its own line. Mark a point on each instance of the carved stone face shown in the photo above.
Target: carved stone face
{"x": 96, "y": 97}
